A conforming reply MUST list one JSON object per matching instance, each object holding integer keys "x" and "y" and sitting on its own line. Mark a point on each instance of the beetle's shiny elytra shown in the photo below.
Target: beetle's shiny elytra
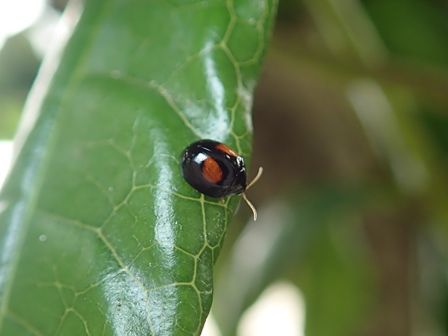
{"x": 214, "y": 169}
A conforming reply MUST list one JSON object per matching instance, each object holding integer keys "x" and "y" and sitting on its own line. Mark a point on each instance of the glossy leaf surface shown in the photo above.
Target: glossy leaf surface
{"x": 99, "y": 233}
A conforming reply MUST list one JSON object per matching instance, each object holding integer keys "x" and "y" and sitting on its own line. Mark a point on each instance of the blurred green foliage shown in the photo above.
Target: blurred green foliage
{"x": 18, "y": 67}
{"x": 413, "y": 30}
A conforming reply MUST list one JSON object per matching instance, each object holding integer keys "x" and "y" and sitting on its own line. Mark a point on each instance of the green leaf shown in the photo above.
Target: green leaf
{"x": 99, "y": 233}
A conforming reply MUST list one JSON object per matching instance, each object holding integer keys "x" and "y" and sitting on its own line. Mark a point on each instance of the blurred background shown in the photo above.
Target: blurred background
{"x": 351, "y": 120}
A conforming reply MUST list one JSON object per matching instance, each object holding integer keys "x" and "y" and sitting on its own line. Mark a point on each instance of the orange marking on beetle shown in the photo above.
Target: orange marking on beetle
{"x": 225, "y": 149}
{"x": 211, "y": 170}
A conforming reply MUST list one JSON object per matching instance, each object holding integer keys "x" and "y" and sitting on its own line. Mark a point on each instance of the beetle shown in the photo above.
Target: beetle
{"x": 216, "y": 170}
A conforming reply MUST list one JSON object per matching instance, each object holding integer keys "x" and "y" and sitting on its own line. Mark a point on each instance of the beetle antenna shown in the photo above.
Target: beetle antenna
{"x": 249, "y": 203}
{"x": 251, "y": 206}
{"x": 256, "y": 178}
